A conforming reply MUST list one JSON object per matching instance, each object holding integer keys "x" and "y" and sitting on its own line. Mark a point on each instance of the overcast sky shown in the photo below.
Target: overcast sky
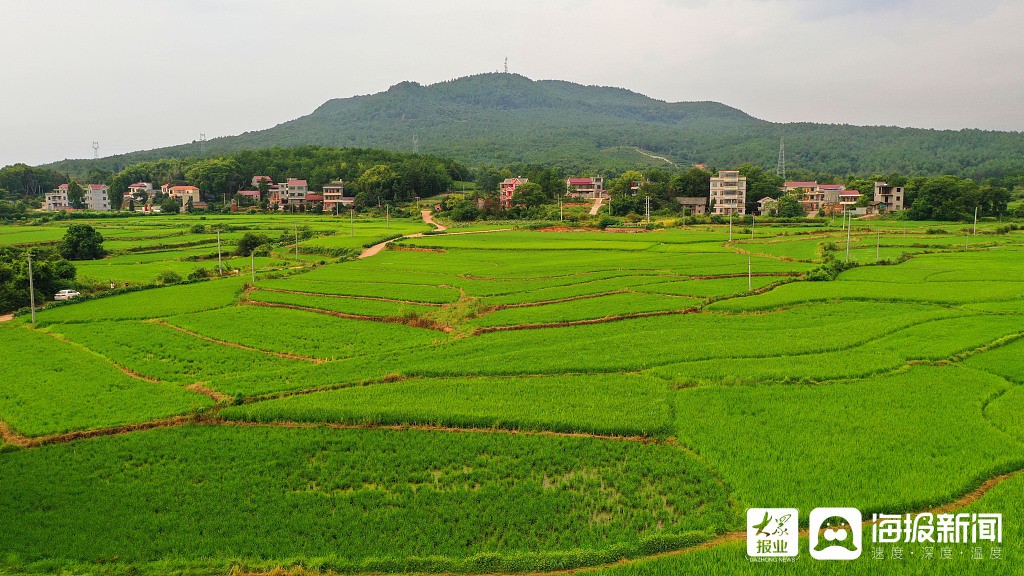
{"x": 139, "y": 74}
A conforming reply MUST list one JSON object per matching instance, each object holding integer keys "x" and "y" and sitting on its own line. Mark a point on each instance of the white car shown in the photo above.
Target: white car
{"x": 66, "y": 295}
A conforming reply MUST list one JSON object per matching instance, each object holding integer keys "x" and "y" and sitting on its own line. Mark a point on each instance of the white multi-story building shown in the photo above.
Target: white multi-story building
{"x": 94, "y": 196}
{"x": 292, "y": 192}
{"x": 728, "y": 193}
{"x": 57, "y": 199}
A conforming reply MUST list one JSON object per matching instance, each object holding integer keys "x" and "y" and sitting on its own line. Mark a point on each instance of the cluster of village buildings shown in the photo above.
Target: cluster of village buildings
{"x": 727, "y": 195}
{"x": 286, "y": 195}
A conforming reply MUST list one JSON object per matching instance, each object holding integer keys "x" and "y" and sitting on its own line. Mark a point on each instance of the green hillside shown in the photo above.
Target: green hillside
{"x": 508, "y": 118}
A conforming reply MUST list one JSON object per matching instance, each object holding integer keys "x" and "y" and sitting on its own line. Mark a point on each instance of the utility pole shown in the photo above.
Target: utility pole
{"x": 387, "y": 215}
{"x": 878, "y": 244}
{"x": 730, "y": 226}
{"x": 750, "y": 275}
{"x": 560, "y": 215}
{"x": 647, "y": 208}
{"x": 220, "y": 262}
{"x": 352, "y": 221}
{"x": 296, "y": 243}
{"x": 975, "y": 220}
{"x": 849, "y": 225}
{"x": 31, "y": 289}
{"x": 253, "y": 266}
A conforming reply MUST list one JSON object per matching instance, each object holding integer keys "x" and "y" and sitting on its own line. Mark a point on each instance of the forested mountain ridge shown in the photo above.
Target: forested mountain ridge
{"x": 506, "y": 118}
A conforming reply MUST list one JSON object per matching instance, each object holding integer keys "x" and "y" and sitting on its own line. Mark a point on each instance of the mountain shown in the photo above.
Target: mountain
{"x": 507, "y": 118}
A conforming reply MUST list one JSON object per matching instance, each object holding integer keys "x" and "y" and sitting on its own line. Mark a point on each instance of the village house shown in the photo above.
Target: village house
{"x": 256, "y": 180}
{"x": 767, "y": 205}
{"x": 140, "y": 188}
{"x": 290, "y": 193}
{"x": 185, "y": 193}
{"x": 693, "y": 205}
{"x": 507, "y": 190}
{"x": 57, "y": 199}
{"x": 729, "y": 193}
{"x": 888, "y": 198}
{"x": 248, "y": 197}
{"x": 94, "y": 196}
{"x": 585, "y": 187}
{"x": 313, "y": 200}
{"x": 334, "y": 196}
{"x": 848, "y": 199}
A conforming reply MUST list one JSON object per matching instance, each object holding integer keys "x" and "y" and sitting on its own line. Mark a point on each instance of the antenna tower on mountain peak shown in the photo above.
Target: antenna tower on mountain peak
{"x": 506, "y": 65}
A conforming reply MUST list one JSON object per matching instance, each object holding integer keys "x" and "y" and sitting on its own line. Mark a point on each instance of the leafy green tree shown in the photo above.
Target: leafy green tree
{"x": 530, "y": 195}
{"x": 789, "y": 207}
{"x": 76, "y": 195}
{"x": 250, "y": 241}
{"x": 50, "y": 273}
{"x": 215, "y": 177}
{"x": 944, "y": 198}
{"x": 377, "y": 184}
{"x": 82, "y": 242}
{"x": 170, "y": 205}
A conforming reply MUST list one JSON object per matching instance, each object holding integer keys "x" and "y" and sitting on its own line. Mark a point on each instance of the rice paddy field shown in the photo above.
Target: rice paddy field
{"x": 491, "y": 401}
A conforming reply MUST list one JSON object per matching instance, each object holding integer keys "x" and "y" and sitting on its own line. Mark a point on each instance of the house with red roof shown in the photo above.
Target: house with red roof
{"x": 585, "y": 187}
{"x": 507, "y": 189}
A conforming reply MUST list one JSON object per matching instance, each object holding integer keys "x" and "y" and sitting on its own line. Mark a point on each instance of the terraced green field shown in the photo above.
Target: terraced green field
{"x": 510, "y": 402}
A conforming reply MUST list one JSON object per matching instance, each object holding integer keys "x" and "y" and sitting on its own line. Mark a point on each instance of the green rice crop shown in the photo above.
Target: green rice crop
{"x": 587, "y": 308}
{"x": 797, "y": 293}
{"x": 166, "y": 354}
{"x": 709, "y": 288}
{"x": 894, "y": 443}
{"x": 407, "y": 292}
{"x": 49, "y": 387}
{"x": 1006, "y": 361}
{"x": 568, "y": 403}
{"x": 291, "y": 330}
{"x": 731, "y": 557}
{"x": 154, "y": 303}
{"x": 349, "y": 499}
{"x": 346, "y": 305}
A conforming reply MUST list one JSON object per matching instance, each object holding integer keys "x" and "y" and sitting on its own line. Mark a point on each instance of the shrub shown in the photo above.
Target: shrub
{"x": 169, "y": 277}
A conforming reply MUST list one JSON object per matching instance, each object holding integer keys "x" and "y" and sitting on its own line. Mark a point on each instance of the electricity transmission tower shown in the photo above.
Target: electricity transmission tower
{"x": 202, "y": 142}
{"x": 506, "y": 65}
{"x": 95, "y": 150}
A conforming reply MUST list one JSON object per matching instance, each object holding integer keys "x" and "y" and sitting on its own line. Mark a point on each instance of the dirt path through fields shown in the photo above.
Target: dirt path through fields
{"x": 428, "y": 217}
{"x": 596, "y": 207}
